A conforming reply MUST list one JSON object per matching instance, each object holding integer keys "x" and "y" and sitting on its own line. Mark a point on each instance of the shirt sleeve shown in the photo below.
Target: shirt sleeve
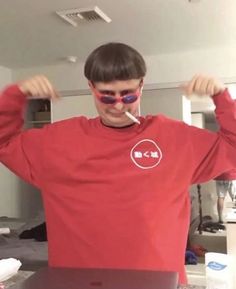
{"x": 215, "y": 153}
{"x": 20, "y": 150}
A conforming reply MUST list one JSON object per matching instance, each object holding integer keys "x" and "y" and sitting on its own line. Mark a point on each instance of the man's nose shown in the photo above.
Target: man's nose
{"x": 119, "y": 105}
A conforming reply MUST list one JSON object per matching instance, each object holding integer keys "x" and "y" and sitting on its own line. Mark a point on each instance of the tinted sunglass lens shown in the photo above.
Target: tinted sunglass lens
{"x": 129, "y": 98}
{"x": 108, "y": 99}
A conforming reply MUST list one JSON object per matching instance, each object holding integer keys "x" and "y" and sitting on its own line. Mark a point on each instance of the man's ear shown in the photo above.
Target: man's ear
{"x": 141, "y": 86}
{"x": 141, "y": 90}
{"x": 90, "y": 84}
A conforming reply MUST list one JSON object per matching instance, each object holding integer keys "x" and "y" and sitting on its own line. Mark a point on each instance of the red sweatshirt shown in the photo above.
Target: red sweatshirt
{"x": 116, "y": 198}
{"x": 227, "y": 176}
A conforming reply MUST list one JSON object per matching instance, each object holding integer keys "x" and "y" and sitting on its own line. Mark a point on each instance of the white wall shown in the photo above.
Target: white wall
{"x": 72, "y": 106}
{"x": 64, "y": 77}
{"x": 170, "y": 102}
{"x": 178, "y": 67}
{"x": 162, "y": 69}
{"x": 198, "y": 120}
{"x": 8, "y": 183}
{"x": 5, "y": 76}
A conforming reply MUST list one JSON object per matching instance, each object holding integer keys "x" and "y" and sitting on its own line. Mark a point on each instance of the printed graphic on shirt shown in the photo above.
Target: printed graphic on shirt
{"x": 146, "y": 154}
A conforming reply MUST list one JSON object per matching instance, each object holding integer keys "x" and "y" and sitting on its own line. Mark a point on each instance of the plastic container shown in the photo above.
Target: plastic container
{"x": 218, "y": 271}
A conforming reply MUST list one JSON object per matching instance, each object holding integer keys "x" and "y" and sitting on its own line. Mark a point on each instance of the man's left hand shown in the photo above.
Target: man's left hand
{"x": 203, "y": 85}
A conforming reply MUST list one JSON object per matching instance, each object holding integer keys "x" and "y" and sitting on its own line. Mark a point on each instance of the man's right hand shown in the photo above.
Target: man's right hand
{"x": 38, "y": 87}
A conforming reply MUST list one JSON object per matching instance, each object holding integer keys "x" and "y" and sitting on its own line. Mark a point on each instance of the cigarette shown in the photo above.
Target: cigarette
{"x": 133, "y": 118}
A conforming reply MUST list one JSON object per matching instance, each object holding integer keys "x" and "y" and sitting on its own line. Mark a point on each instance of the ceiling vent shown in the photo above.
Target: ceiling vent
{"x": 79, "y": 15}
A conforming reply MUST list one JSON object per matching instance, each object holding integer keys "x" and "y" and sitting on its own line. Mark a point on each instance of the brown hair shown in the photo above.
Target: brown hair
{"x": 114, "y": 61}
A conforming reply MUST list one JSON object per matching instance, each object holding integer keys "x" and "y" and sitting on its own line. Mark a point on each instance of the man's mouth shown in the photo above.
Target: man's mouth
{"x": 117, "y": 114}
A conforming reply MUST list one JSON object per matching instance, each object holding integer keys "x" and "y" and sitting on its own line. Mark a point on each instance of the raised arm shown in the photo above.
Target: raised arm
{"x": 19, "y": 149}
{"x": 213, "y": 153}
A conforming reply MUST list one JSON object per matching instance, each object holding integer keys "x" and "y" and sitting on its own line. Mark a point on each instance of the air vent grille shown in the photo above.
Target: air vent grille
{"x": 79, "y": 15}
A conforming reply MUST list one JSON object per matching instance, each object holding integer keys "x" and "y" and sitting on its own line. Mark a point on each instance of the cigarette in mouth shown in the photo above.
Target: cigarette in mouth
{"x": 133, "y": 118}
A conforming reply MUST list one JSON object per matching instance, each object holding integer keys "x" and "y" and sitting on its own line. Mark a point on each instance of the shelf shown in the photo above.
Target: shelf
{"x": 39, "y": 121}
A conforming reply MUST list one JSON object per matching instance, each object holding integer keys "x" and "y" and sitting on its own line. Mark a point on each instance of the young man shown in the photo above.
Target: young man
{"x": 225, "y": 183}
{"x": 116, "y": 193}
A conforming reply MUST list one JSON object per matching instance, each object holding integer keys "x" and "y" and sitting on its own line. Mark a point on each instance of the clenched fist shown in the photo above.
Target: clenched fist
{"x": 203, "y": 85}
{"x": 38, "y": 87}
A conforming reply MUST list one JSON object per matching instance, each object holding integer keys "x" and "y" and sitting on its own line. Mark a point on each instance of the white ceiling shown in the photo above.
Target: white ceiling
{"x": 31, "y": 33}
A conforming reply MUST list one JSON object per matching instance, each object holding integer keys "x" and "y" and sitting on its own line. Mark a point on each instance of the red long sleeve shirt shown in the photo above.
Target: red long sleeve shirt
{"x": 116, "y": 198}
{"x": 227, "y": 176}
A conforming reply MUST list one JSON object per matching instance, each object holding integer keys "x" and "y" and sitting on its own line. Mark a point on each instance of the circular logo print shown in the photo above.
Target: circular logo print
{"x": 216, "y": 266}
{"x": 146, "y": 154}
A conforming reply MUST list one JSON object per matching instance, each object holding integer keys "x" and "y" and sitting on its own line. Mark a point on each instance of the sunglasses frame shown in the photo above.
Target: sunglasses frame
{"x": 119, "y": 98}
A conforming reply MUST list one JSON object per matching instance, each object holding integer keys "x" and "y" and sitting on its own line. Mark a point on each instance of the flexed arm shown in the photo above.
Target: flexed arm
{"x": 13, "y": 102}
{"x": 213, "y": 153}
{"x": 19, "y": 150}
{"x": 225, "y": 111}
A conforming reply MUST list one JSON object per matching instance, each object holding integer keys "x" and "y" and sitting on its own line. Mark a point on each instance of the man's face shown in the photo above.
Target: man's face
{"x": 121, "y": 92}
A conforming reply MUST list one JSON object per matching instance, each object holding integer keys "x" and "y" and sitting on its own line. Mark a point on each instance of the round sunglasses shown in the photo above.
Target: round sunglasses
{"x": 126, "y": 99}
{"x": 110, "y": 99}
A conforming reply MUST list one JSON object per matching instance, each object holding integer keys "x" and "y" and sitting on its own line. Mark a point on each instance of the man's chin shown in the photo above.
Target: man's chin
{"x": 117, "y": 122}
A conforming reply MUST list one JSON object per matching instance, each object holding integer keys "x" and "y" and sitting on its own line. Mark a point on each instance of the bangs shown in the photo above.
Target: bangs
{"x": 114, "y": 61}
{"x": 113, "y": 69}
